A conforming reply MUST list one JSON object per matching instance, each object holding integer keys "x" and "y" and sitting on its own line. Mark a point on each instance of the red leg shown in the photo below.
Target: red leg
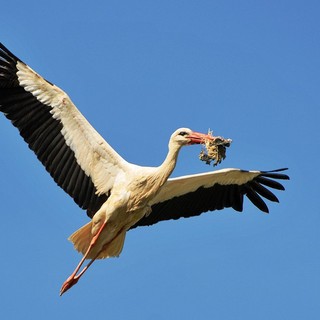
{"x": 74, "y": 277}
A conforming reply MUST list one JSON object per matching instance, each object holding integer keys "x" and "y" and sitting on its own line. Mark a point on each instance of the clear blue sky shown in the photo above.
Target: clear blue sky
{"x": 248, "y": 70}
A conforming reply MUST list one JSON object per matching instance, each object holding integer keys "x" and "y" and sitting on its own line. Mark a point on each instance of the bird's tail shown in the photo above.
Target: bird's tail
{"x": 81, "y": 240}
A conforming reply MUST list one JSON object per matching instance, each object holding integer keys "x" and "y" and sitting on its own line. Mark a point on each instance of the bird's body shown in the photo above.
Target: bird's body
{"x": 117, "y": 195}
{"x": 128, "y": 203}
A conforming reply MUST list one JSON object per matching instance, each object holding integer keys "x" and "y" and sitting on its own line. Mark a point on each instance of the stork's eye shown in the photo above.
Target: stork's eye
{"x": 183, "y": 133}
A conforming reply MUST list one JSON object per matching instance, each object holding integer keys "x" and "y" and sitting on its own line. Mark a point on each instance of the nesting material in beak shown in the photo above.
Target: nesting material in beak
{"x": 215, "y": 149}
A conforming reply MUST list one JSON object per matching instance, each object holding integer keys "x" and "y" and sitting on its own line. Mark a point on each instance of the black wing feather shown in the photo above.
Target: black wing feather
{"x": 264, "y": 192}
{"x": 270, "y": 183}
{"x": 217, "y": 197}
{"x": 256, "y": 199}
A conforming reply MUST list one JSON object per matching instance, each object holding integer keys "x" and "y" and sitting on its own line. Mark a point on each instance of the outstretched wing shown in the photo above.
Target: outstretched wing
{"x": 192, "y": 195}
{"x": 80, "y": 161}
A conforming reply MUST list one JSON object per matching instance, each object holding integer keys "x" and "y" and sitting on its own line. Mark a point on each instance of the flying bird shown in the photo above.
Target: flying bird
{"x": 117, "y": 195}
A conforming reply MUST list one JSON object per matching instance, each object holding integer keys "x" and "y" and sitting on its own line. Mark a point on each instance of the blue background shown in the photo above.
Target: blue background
{"x": 248, "y": 70}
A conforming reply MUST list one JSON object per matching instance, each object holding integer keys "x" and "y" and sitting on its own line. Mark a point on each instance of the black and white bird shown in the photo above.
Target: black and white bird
{"x": 116, "y": 194}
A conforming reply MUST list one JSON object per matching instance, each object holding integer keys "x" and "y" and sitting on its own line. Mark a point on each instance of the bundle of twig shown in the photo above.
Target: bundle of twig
{"x": 215, "y": 149}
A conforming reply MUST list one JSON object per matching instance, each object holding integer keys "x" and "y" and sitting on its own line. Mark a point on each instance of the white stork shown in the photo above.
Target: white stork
{"x": 117, "y": 195}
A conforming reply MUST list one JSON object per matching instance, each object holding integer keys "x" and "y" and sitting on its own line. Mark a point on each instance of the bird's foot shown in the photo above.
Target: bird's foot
{"x": 69, "y": 283}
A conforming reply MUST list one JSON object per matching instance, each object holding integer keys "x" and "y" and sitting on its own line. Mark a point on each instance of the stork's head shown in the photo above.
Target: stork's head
{"x": 185, "y": 136}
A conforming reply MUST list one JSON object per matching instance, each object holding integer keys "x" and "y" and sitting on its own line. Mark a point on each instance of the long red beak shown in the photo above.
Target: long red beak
{"x": 198, "y": 138}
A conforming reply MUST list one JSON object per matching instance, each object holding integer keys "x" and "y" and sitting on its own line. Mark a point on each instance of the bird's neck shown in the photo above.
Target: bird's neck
{"x": 168, "y": 165}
